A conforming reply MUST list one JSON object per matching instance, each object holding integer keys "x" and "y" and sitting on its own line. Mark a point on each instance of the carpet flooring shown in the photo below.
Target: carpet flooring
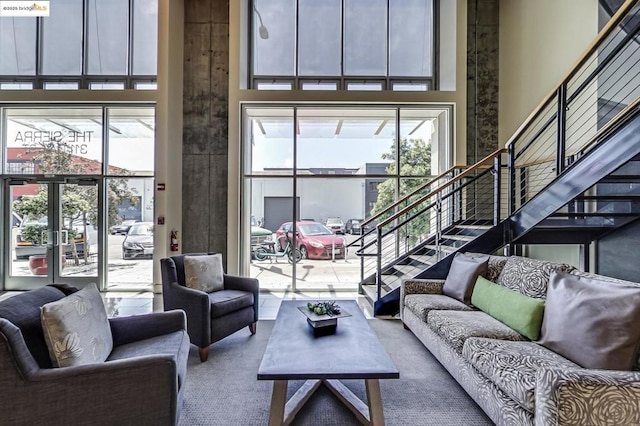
{"x": 224, "y": 390}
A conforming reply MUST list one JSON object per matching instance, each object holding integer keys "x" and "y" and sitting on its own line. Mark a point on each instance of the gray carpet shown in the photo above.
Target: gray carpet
{"x": 224, "y": 390}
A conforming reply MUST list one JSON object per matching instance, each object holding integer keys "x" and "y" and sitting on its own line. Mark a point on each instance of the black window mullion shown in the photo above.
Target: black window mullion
{"x": 130, "y": 38}
{"x": 85, "y": 38}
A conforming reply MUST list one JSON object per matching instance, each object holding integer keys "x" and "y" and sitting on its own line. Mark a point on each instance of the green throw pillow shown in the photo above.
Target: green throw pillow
{"x": 522, "y": 313}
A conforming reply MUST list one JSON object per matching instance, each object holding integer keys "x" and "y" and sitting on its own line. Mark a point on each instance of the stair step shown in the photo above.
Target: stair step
{"x": 485, "y": 227}
{"x": 442, "y": 248}
{"x": 619, "y": 178}
{"x": 458, "y": 237}
{"x": 422, "y": 258}
{"x": 408, "y": 270}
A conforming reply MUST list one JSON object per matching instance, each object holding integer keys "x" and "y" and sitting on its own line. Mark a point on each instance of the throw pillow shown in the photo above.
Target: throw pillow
{"x": 463, "y": 274}
{"x": 529, "y": 276}
{"x": 204, "y": 273}
{"x": 76, "y": 328}
{"x": 521, "y": 313}
{"x": 592, "y": 322}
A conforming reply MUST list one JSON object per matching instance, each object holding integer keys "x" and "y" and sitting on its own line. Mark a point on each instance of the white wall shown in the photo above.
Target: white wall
{"x": 539, "y": 42}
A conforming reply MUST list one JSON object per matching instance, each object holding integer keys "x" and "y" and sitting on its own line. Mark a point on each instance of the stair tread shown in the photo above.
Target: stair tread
{"x": 474, "y": 226}
{"x": 458, "y": 237}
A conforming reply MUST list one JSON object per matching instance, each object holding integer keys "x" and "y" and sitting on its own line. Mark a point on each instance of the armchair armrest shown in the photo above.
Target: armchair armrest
{"x": 197, "y": 307}
{"x": 583, "y": 396}
{"x": 144, "y": 387}
{"x": 138, "y": 327}
{"x": 233, "y": 282}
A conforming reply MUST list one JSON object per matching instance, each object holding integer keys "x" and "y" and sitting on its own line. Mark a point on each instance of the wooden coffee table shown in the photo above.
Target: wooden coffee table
{"x": 353, "y": 352}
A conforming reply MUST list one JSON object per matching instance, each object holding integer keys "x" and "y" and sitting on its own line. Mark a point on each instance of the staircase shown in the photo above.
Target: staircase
{"x": 569, "y": 175}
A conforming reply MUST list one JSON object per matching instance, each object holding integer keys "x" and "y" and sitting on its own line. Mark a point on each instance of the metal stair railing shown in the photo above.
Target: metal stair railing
{"x": 604, "y": 81}
{"x": 472, "y": 197}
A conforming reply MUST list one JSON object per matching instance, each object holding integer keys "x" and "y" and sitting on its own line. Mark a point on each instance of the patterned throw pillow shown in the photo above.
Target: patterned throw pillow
{"x": 76, "y": 329}
{"x": 529, "y": 276}
{"x": 204, "y": 273}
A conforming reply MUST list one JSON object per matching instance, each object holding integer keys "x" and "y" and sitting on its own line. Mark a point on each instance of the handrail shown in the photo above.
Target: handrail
{"x": 409, "y": 195}
{"x": 445, "y": 185}
{"x": 595, "y": 44}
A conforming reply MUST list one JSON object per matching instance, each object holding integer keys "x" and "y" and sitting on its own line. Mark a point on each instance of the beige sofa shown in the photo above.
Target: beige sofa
{"x": 514, "y": 380}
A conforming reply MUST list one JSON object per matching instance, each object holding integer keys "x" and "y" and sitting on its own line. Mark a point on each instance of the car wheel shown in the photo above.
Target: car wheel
{"x": 303, "y": 252}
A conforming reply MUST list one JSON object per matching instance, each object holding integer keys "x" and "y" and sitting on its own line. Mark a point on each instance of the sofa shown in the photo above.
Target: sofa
{"x": 141, "y": 382}
{"x": 514, "y": 379}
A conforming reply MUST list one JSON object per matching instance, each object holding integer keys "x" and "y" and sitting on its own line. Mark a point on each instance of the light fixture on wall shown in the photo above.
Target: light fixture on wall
{"x": 262, "y": 30}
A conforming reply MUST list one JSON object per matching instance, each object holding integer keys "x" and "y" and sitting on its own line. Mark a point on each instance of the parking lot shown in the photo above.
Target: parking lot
{"x": 276, "y": 273}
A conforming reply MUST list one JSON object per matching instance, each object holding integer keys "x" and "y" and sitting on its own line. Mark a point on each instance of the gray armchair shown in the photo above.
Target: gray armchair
{"x": 210, "y": 316}
{"x": 141, "y": 382}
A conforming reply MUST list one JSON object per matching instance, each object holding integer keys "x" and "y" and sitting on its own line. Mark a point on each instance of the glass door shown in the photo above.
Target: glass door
{"x": 53, "y": 231}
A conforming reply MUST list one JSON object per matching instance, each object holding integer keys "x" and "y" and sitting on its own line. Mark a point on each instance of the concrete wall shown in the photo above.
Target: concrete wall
{"x": 205, "y": 159}
{"x": 539, "y": 42}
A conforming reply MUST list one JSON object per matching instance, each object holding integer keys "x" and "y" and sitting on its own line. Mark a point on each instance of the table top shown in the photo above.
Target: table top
{"x": 353, "y": 352}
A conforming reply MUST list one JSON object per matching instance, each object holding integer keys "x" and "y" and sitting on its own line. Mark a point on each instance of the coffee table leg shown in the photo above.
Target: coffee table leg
{"x": 278, "y": 401}
{"x": 374, "y": 400}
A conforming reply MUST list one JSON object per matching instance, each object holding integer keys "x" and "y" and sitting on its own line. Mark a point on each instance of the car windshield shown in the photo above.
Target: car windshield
{"x": 355, "y": 222}
{"x": 334, "y": 221}
{"x": 141, "y": 229}
{"x": 314, "y": 229}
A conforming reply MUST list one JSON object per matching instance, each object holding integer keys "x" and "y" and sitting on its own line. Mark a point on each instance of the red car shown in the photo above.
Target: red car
{"x": 315, "y": 241}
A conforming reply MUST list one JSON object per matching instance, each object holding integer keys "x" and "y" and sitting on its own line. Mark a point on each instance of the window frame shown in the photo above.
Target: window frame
{"x": 343, "y": 80}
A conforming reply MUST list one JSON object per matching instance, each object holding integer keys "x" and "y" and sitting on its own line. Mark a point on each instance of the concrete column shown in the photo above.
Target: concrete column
{"x": 482, "y": 78}
{"x": 168, "y": 128}
{"x": 205, "y": 126}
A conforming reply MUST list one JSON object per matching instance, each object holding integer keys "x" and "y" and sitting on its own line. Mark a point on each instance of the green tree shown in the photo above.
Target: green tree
{"x": 415, "y": 160}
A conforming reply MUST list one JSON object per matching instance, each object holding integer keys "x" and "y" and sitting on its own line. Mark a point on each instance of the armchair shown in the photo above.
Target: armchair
{"x": 210, "y": 316}
{"x": 141, "y": 382}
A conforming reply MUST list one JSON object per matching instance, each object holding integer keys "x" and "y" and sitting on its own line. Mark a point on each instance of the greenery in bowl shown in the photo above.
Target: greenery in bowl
{"x": 324, "y": 308}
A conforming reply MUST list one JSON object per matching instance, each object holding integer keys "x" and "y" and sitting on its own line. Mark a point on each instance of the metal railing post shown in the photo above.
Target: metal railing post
{"x": 438, "y": 221}
{"x": 497, "y": 186}
{"x": 511, "y": 181}
{"x": 379, "y": 271}
{"x": 561, "y": 128}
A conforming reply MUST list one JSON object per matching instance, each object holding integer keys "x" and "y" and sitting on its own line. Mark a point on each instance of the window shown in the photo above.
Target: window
{"x": 79, "y": 44}
{"x": 352, "y": 41}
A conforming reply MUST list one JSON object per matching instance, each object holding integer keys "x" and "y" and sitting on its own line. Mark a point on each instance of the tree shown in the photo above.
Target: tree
{"x": 79, "y": 203}
{"x": 415, "y": 160}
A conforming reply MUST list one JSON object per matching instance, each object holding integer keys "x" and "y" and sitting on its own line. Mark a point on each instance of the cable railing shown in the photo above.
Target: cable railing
{"x": 470, "y": 199}
{"x": 605, "y": 80}
{"x": 440, "y": 216}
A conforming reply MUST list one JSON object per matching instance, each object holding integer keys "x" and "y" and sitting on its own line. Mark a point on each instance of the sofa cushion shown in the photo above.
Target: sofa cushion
{"x": 421, "y": 304}
{"x": 512, "y": 366}
{"x": 462, "y": 275}
{"x": 495, "y": 267}
{"x": 457, "y": 326}
{"x": 76, "y": 328}
{"x": 520, "y": 312}
{"x": 593, "y": 322}
{"x": 224, "y": 302}
{"x": 204, "y": 273}
{"x": 175, "y": 344}
{"x": 529, "y": 276}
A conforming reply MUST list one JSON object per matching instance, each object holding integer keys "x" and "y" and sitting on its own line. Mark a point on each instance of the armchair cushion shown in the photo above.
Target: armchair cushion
{"x": 76, "y": 329}
{"x": 204, "y": 273}
{"x": 226, "y": 301}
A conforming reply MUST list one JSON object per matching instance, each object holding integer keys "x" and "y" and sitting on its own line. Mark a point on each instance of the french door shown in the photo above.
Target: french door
{"x": 53, "y": 232}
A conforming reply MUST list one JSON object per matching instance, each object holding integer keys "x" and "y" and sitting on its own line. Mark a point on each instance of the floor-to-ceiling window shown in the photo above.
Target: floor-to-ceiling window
{"x": 77, "y": 135}
{"x": 311, "y": 172}
{"x": 71, "y": 176}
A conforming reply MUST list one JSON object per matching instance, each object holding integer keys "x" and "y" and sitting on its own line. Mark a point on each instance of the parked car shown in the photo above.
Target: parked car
{"x": 353, "y": 226}
{"x": 314, "y": 240}
{"x": 122, "y": 228}
{"x": 335, "y": 224}
{"x": 259, "y": 234}
{"x": 138, "y": 241}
